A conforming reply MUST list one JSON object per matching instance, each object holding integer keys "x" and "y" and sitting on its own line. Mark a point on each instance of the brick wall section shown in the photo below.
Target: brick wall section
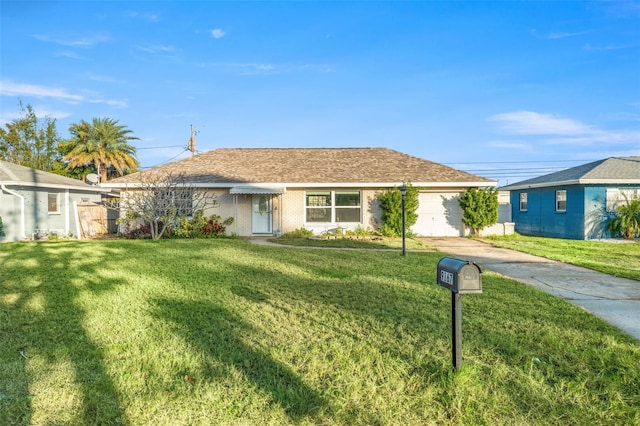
{"x": 293, "y": 210}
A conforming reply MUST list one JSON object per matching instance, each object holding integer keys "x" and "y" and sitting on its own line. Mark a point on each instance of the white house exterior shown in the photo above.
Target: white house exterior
{"x": 272, "y": 191}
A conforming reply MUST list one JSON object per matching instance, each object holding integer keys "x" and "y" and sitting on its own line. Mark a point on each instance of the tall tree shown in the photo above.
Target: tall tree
{"x": 79, "y": 134}
{"x": 30, "y": 141}
{"x": 104, "y": 143}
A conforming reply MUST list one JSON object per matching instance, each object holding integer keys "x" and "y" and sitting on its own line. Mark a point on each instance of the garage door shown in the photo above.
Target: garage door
{"x": 439, "y": 215}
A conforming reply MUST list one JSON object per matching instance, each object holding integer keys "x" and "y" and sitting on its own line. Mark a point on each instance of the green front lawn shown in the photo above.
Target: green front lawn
{"x": 188, "y": 332}
{"x": 380, "y": 243}
{"x": 620, "y": 258}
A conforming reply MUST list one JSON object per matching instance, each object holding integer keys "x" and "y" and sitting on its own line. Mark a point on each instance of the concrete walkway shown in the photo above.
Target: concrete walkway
{"x": 616, "y": 300}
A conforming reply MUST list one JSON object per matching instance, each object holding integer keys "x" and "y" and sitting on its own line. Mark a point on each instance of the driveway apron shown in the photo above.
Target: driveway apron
{"x": 616, "y": 300}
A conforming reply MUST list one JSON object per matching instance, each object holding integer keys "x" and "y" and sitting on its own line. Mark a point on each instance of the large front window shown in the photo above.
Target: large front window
{"x": 333, "y": 206}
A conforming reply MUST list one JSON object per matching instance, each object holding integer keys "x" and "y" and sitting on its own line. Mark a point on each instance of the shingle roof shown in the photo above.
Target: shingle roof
{"x": 306, "y": 166}
{"x": 610, "y": 170}
{"x": 14, "y": 174}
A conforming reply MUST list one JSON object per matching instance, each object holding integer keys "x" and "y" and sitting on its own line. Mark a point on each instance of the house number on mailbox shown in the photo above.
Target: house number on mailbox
{"x": 446, "y": 277}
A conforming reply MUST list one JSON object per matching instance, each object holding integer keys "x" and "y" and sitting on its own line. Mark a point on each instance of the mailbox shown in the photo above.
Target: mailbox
{"x": 459, "y": 276}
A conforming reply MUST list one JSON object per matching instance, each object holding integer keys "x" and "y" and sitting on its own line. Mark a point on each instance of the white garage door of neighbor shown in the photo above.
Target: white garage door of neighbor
{"x": 439, "y": 215}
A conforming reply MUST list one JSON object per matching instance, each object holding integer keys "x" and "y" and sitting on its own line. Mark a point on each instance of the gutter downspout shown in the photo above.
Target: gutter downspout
{"x": 22, "y": 219}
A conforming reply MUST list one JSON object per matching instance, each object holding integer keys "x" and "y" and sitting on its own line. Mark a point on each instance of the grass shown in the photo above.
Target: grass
{"x": 378, "y": 243}
{"x": 614, "y": 258}
{"x": 189, "y": 332}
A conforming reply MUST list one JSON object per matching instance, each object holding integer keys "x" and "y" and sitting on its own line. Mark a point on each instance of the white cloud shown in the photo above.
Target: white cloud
{"x": 8, "y": 88}
{"x": 615, "y": 137}
{"x": 590, "y": 48}
{"x": 151, "y": 17}
{"x": 9, "y": 116}
{"x": 560, "y": 130}
{"x": 243, "y": 68}
{"x": 559, "y": 35}
{"x": 82, "y": 42}
{"x": 512, "y": 145}
{"x": 534, "y": 123}
{"x": 67, "y": 54}
{"x": 156, "y": 48}
{"x": 101, "y": 78}
{"x": 217, "y": 33}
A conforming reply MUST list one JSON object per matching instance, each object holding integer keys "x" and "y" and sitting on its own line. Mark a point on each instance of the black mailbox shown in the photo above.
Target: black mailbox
{"x": 459, "y": 276}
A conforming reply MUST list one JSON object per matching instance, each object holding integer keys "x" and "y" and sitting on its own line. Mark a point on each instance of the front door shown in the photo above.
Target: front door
{"x": 261, "y": 217}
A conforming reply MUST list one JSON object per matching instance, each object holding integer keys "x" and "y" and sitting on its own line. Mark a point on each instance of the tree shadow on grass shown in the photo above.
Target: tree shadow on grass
{"x": 218, "y": 333}
{"x": 42, "y": 324}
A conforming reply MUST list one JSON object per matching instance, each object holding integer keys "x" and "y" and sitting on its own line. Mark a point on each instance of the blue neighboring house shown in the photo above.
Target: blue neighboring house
{"x": 34, "y": 202}
{"x": 575, "y": 203}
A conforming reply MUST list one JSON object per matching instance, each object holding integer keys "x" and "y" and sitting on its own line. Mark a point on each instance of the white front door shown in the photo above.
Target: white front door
{"x": 261, "y": 217}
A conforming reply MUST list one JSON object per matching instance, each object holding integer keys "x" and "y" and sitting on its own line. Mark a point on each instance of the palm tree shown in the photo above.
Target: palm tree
{"x": 627, "y": 220}
{"x": 79, "y": 135}
{"x": 105, "y": 143}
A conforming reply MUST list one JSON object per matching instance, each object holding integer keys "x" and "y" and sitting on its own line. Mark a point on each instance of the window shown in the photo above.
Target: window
{"x": 523, "y": 201}
{"x": 319, "y": 206}
{"x": 561, "y": 201}
{"x": 180, "y": 198}
{"x": 617, "y": 197}
{"x": 53, "y": 204}
{"x": 333, "y": 206}
{"x": 348, "y": 206}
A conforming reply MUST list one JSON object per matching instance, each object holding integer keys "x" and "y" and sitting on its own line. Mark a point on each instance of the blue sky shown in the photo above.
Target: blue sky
{"x": 507, "y": 90}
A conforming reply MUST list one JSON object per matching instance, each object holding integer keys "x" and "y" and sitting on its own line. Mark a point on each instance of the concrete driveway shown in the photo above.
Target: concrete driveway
{"x": 616, "y": 300}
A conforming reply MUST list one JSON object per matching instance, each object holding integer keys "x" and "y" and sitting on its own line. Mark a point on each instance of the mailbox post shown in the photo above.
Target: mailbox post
{"x": 403, "y": 193}
{"x": 459, "y": 276}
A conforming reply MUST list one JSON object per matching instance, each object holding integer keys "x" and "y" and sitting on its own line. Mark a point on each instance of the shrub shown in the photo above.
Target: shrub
{"x": 298, "y": 233}
{"x": 627, "y": 220}
{"x": 359, "y": 233}
{"x": 479, "y": 208}
{"x": 199, "y": 226}
{"x": 2, "y": 234}
{"x": 391, "y": 205}
{"x": 142, "y": 232}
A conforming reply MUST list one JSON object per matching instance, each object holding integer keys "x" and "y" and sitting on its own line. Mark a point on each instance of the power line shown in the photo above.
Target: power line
{"x": 166, "y": 161}
{"x": 533, "y": 169}
{"x": 158, "y": 147}
{"x": 520, "y": 162}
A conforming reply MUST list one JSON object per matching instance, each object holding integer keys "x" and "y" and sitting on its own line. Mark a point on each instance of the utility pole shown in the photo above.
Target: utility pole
{"x": 192, "y": 141}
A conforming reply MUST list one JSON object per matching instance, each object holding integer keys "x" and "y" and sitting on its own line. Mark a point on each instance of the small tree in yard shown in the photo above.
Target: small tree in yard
{"x": 391, "y": 205}
{"x": 479, "y": 208}
{"x": 158, "y": 201}
{"x": 627, "y": 220}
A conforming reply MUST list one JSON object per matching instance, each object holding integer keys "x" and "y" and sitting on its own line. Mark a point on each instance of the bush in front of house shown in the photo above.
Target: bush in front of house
{"x": 479, "y": 208}
{"x": 2, "y": 234}
{"x": 199, "y": 226}
{"x": 298, "y": 233}
{"x": 391, "y": 205}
